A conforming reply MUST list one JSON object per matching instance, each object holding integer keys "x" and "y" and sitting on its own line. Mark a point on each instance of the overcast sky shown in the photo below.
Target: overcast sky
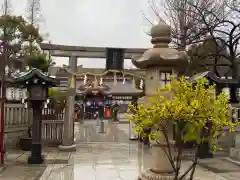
{"x": 104, "y": 23}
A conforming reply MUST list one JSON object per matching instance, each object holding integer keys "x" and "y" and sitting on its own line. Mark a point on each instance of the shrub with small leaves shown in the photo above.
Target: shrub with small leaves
{"x": 192, "y": 108}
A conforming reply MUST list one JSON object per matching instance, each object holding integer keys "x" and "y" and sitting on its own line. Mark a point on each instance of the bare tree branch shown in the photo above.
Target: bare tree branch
{"x": 7, "y": 7}
{"x": 190, "y": 20}
{"x": 227, "y": 31}
{"x": 34, "y": 13}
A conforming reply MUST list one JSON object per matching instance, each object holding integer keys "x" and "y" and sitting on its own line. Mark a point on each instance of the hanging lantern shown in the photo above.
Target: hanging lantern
{"x": 24, "y": 93}
{"x": 101, "y": 81}
{"x": 95, "y": 83}
{"x": 85, "y": 79}
{"x": 141, "y": 84}
{"x": 133, "y": 82}
{"x": 7, "y": 70}
{"x": 124, "y": 79}
{"x": 45, "y": 105}
{"x": 17, "y": 94}
{"x": 20, "y": 93}
{"x": 115, "y": 79}
{"x": 12, "y": 93}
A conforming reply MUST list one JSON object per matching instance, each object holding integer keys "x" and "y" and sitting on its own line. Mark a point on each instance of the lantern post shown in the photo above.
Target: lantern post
{"x": 37, "y": 84}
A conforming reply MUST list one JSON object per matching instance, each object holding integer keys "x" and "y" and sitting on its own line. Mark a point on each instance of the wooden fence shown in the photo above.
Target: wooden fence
{"x": 236, "y": 111}
{"x": 17, "y": 116}
{"x": 52, "y": 127}
{"x": 18, "y": 119}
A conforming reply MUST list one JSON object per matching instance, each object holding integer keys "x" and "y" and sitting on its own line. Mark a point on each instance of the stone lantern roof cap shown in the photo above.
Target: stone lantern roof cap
{"x": 160, "y": 54}
{"x": 161, "y": 30}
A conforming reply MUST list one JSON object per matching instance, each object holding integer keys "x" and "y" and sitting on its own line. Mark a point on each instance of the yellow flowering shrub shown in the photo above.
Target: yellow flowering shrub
{"x": 190, "y": 107}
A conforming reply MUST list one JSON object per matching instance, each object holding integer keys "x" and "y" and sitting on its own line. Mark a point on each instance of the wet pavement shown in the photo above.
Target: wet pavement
{"x": 102, "y": 156}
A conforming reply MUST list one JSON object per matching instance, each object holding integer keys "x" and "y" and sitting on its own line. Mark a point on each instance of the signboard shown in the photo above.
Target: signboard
{"x": 114, "y": 58}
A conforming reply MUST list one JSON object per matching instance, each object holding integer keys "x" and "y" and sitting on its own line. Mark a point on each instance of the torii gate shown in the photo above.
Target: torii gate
{"x": 73, "y": 53}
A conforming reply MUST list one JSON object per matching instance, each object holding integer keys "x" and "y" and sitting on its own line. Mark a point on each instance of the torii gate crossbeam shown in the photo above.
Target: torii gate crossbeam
{"x": 85, "y": 51}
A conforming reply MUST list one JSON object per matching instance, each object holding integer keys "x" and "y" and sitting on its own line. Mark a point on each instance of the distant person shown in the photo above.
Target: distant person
{"x": 95, "y": 109}
{"x": 81, "y": 112}
{"x": 115, "y": 110}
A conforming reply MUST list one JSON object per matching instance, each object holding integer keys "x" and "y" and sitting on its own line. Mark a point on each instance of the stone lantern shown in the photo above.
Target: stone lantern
{"x": 37, "y": 84}
{"x": 160, "y": 62}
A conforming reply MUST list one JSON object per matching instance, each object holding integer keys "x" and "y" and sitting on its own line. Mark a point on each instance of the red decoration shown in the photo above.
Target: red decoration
{"x": 108, "y": 113}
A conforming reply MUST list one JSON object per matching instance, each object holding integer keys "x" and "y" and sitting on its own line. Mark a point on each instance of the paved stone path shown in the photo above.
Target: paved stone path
{"x": 223, "y": 167}
{"x": 89, "y": 132}
{"x": 107, "y": 156}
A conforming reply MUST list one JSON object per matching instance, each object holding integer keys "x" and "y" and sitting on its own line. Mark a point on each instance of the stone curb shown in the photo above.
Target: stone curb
{"x": 2, "y": 168}
{"x": 231, "y": 161}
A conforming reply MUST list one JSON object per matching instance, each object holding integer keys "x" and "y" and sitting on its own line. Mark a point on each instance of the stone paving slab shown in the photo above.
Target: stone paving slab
{"x": 110, "y": 164}
{"x": 89, "y": 132}
{"x": 219, "y": 165}
{"x": 108, "y": 156}
{"x": 17, "y": 172}
{"x": 231, "y": 175}
{"x": 17, "y": 168}
{"x": 51, "y": 155}
{"x": 202, "y": 173}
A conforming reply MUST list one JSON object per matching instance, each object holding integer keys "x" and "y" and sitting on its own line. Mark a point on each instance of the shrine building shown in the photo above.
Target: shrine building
{"x": 104, "y": 87}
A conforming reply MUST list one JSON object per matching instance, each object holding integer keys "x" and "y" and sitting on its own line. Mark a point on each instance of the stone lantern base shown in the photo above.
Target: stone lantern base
{"x": 161, "y": 168}
{"x": 67, "y": 148}
{"x": 150, "y": 175}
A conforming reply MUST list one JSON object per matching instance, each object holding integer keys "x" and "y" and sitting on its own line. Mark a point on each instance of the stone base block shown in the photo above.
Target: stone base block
{"x": 67, "y": 148}
{"x": 35, "y": 160}
{"x": 149, "y": 175}
{"x": 11, "y": 135}
{"x": 234, "y": 153}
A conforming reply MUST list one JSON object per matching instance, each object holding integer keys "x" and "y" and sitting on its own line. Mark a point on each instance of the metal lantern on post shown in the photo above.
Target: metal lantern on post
{"x": 37, "y": 84}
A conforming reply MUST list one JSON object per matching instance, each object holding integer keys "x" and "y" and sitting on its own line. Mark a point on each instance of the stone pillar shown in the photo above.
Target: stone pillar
{"x": 68, "y": 132}
{"x": 152, "y": 82}
{"x": 160, "y": 163}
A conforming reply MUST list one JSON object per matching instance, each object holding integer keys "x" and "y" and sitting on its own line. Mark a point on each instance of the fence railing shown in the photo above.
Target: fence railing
{"x": 236, "y": 112}
{"x": 52, "y": 127}
{"x": 16, "y": 115}
{"x": 52, "y": 132}
{"x": 18, "y": 118}
{"x": 52, "y": 114}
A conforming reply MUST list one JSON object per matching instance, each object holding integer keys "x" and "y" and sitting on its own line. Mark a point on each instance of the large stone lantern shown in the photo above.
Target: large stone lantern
{"x": 37, "y": 84}
{"x": 160, "y": 62}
